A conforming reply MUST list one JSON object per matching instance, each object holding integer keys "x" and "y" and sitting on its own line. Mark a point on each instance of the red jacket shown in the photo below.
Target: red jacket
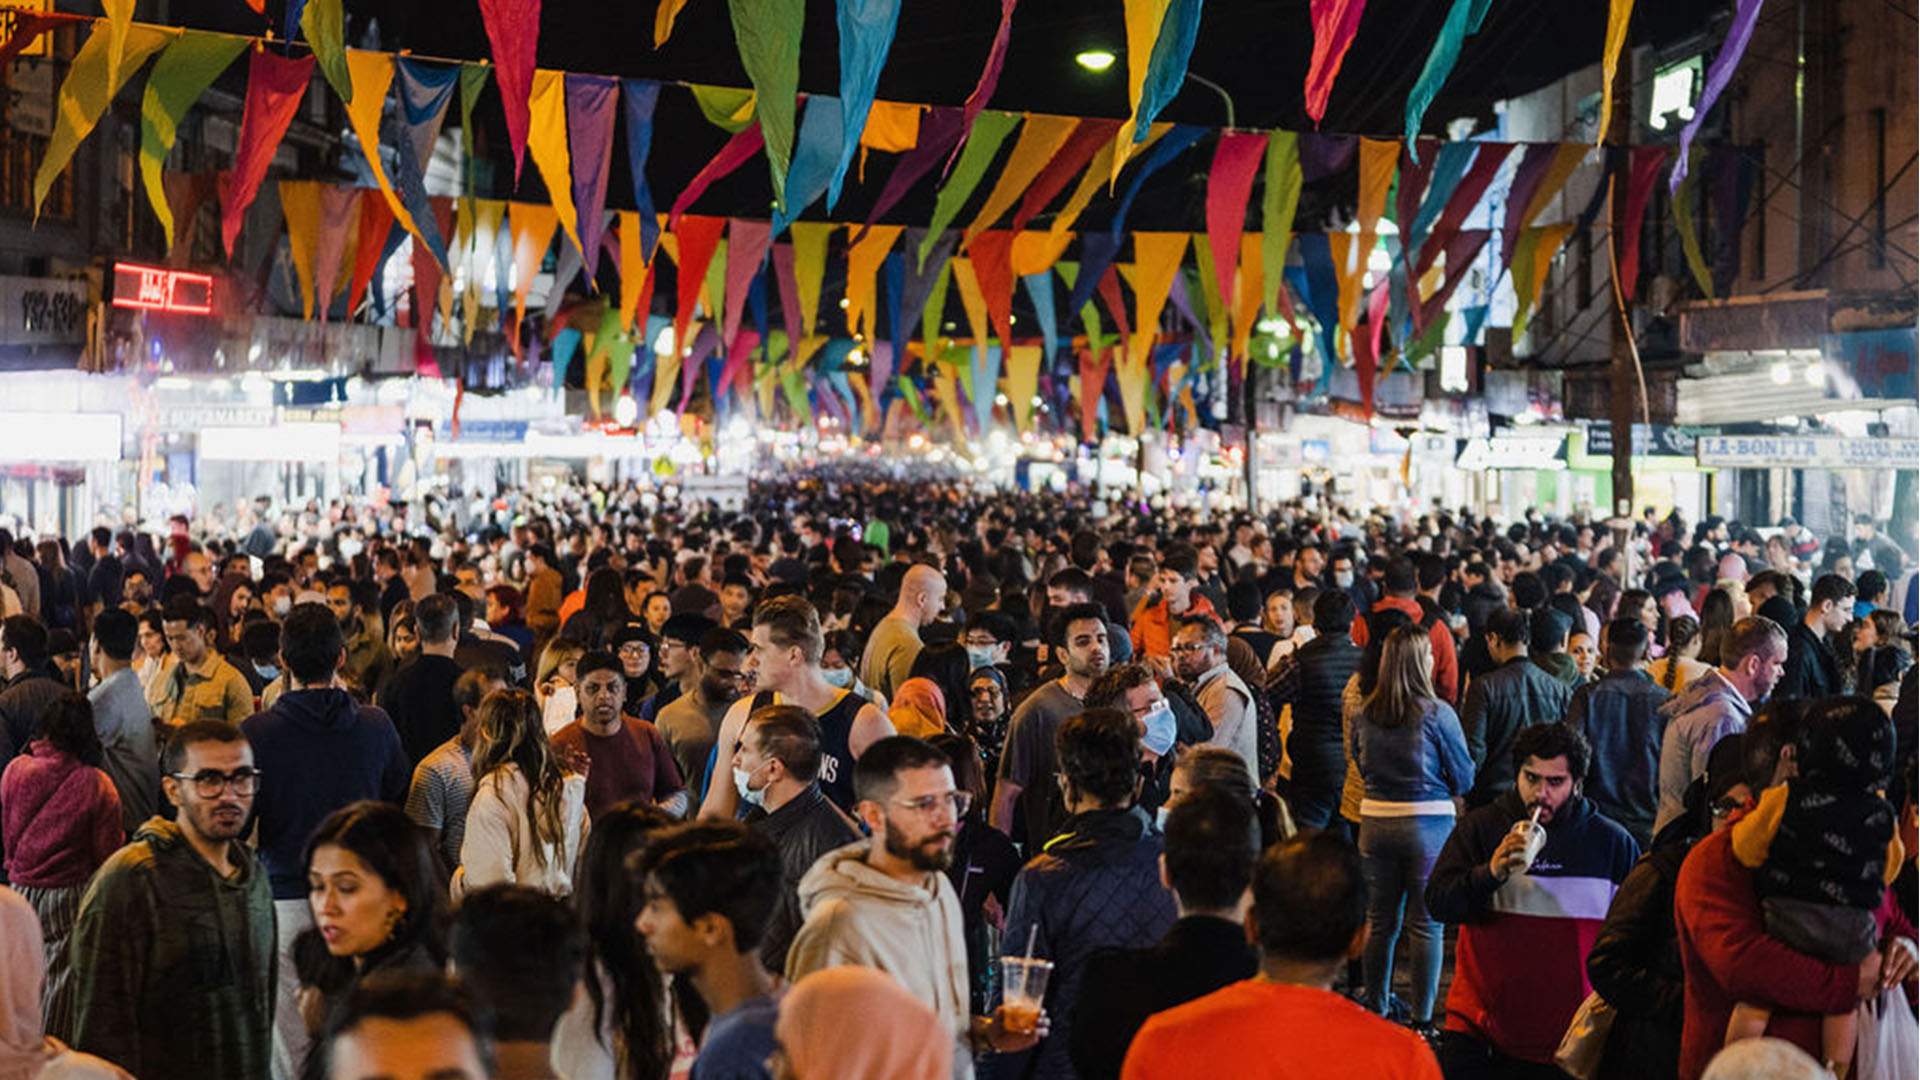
{"x": 1728, "y": 958}
{"x": 1153, "y": 624}
{"x": 1446, "y": 669}
{"x": 60, "y": 819}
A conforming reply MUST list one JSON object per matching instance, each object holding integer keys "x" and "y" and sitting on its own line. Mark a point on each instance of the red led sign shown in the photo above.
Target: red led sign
{"x": 156, "y": 288}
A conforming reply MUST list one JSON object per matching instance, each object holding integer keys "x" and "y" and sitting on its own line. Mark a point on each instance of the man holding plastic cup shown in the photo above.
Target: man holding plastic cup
{"x": 1529, "y": 877}
{"x": 886, "y": 902}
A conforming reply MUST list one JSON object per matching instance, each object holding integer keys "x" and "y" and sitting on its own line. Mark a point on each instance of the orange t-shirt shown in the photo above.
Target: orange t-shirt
{"x": 1259, "y": 1030}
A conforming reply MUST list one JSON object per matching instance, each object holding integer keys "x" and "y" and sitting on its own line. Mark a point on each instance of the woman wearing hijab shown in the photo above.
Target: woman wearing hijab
{"x": 27, "y": 1052}
{"x": 905, "y": 1041}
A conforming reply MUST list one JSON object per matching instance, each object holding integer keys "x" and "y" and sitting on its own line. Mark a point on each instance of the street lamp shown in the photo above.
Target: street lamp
{"x": 1095, "y": 60}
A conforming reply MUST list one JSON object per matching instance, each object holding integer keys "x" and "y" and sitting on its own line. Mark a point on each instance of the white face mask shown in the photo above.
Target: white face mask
{"x": 282, "y": 605}
{"x": 841, "y": 677}
{"x": 1344, "y": 579}
{"x": 981, "y": 655}
{"x": 559, "y": 709}
{"x": 750, "y": 796}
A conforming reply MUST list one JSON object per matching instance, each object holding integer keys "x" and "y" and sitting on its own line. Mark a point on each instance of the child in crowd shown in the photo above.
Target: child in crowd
{"x": 1823, "y": 850}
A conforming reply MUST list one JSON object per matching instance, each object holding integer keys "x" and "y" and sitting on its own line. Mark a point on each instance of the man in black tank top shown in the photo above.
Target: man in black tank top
{"x": 836, "y": 751}
{"x": 785, "y": 662}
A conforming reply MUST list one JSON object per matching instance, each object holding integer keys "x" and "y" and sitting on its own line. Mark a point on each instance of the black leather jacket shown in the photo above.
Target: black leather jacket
{"x": 804, "y": 829}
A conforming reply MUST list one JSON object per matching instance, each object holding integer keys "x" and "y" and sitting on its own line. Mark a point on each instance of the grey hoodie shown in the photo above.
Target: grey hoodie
{"x": 1708, "y": 710}
{"x": 857, "y": 915}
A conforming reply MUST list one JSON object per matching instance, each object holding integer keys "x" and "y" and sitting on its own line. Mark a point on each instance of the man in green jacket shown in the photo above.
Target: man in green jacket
{"x": 173, "y": 949}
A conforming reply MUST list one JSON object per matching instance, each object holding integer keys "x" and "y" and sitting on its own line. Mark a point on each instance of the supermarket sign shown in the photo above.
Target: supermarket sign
{"x": 1808, "y": 452}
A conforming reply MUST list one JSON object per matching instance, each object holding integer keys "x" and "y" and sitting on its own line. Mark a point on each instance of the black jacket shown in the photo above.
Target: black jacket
{"x": 1095, "y": 886}
{"x": 1312, "y": 679}
{"x": 1122, "y": 987}
{"x": 1620, "y": 716}
{"x": 419, "y": 700}
{"x": 1811, "y": 670}
{"x": 1515, "y": 695}
{"x": 1635, "y": 966}
{"x": 804, "y": 829}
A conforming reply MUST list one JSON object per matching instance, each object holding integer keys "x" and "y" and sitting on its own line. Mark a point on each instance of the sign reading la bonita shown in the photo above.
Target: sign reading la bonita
{"x": 1808, "y": 452}
{"x": 156, "y": 288}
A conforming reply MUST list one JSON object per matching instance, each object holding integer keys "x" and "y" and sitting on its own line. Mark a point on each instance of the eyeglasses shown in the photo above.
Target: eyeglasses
{"x": 633, "y": 648}
{"x": 209, "y": 783}
{"x": 928, "y": 804}
{"x": 1189, "y": 647}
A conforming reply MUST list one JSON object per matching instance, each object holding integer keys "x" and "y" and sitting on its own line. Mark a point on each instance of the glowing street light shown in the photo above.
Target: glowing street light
{"x": 1094, "y": 60}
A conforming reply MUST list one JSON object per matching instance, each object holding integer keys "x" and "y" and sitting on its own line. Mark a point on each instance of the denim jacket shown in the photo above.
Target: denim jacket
{"x": 1423, "y": 762}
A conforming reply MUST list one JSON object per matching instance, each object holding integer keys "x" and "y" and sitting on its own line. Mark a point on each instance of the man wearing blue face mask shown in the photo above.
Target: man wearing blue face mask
{"x": 1132, "y": 689}
{"x": 988, "y": 638}
{"x": 775, "y": 773}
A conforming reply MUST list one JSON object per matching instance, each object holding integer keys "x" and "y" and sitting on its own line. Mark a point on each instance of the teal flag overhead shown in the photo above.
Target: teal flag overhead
{"x": 1463, "y": 18}
{"x": 813, "y": 158}
{"x": 1167, "y": 70}
{"x": 866, "y": 33}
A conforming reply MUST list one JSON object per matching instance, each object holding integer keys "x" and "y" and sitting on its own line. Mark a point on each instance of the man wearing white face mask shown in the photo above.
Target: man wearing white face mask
{"x": 776, "y": 773}
{"x": 787, "y": 644}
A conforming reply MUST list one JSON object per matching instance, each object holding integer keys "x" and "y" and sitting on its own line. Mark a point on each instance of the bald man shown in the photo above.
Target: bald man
{"x": 896, "y": 639}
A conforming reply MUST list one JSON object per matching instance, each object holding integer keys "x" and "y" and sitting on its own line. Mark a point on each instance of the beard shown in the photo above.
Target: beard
{"x": 932, "y": 854}
{"x": 720, "y": 691}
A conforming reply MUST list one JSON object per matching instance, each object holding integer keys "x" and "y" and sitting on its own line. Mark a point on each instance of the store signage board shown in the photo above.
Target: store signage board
{"x": 1663, "y": 440}
{"x": 193, "y": 417}
{"x": 11, "y": 13}
{"x": 46, "y": 437}
{"x": 156, "y": 288}
{"x": 1808, "y": 452}
{"x": 1523, "y": 452}
{"x": 42, "y": 311}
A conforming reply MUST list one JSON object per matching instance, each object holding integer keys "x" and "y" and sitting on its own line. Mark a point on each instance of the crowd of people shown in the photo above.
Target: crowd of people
{"x": 883, "y": 780}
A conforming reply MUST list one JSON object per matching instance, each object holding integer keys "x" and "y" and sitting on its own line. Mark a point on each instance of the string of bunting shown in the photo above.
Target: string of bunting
{"x": 340, "y": 235}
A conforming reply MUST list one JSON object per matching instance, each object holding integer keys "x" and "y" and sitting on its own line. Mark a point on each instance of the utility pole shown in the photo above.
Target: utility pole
{"x": 1623, "y": 378}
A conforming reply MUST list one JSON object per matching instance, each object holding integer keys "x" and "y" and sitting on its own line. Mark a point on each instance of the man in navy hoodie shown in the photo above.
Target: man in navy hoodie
{"x": 1525, "y": 928}
{"x": 326, "y": 751}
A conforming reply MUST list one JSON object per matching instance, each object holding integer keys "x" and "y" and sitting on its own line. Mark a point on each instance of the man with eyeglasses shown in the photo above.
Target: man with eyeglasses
{"x": 886, "y": 903}
{"x": 692, "y": 722}
{"x": 173, "y": 948}
{"x": 1096, "y": 885}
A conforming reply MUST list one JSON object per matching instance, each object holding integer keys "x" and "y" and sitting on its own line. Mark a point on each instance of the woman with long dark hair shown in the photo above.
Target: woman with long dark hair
{"x": 1717, "y": 616}
{"x": 603, "y": 612}
{"x": 528, "y": 817}
{"x": 629, "y": 1025}
{"x": 1413, "y": 762}
{"x": 375, "y": 895}
{"x": 59, "y": 820}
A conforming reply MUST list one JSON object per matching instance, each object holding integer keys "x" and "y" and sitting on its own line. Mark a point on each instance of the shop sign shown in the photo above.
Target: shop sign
{"x": 1429, "y": 447}
{"x": 1664, "y": 440}
{"x": 1809, "y": 452}
{"x": 11, "y": 14}
{"x": 156, "y": 288}
{"x": 42, "y": 311}
{"x": 487, "y": 431}
{"x": 31, "y": 110}
{"x": 42, "y": 437}
{"x": 1881, "y": 361}
{"x": 1521, "y": 452}
{"x": 194, "y": 417}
